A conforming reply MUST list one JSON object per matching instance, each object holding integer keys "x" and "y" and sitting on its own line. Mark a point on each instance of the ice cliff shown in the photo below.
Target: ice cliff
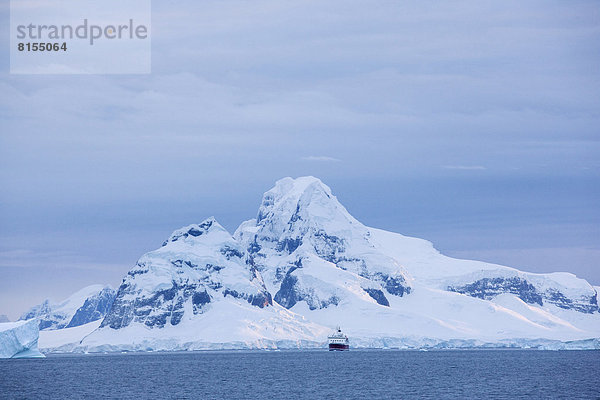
{"x": 19, "y": 339}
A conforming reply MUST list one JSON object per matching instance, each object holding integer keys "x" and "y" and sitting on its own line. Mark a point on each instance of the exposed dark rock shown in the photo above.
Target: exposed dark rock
{"x": 260, "y": 300}
{"x": 140, "y": 268}
{"x": 94, "y": 308}
{"x": 488, "y": 288}
{"x": 289, "y": 245}
{"x": 287, "y": 295}
{"x": 588, "y": 306}
{"x": 230, "y": 252}
{"x": 378, "y": 296}
{"x": 282, "y": 271}
{"x": 193, "y": 231}
{"x": 199, "y": 300}
{"x": 346, "y": 263}
{"x": 396, "y": 285}
{"x": 169, "y": 301}
{"x": 210, "y": 267}
{"x": 327, "y": 246}
{"x": 295, "y": 217}
{"x": 254, "y": 247}
{"x": 331, "y": 301}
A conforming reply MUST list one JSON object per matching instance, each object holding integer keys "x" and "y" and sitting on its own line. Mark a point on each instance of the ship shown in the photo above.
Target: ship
{"x": 338, "y": 341}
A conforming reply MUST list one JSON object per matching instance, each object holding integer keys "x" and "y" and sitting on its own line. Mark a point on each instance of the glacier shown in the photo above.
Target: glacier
{"x": 286, "y": 278}
{"x": 65, "y": 340}
{"x": 19, "y": 339}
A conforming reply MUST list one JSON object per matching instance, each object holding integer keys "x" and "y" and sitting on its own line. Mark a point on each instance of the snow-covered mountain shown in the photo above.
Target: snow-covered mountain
{"x": 197, "y": 289}
{"x": 323, "y": 264}
{"x": 304, "y": 265}
{"x": 4, "y": 318}
{"x": 88, "y": 304}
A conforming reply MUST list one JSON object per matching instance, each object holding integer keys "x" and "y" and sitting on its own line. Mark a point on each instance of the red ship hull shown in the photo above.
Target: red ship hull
{"x": 338, "y": 347}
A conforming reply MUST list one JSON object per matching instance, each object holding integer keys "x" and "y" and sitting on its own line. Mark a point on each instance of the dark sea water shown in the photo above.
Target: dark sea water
{"x": 499, "y": 374}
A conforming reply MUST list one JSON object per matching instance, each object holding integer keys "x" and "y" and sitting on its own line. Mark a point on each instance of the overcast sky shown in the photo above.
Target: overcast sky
{"x": 475, "y": 125}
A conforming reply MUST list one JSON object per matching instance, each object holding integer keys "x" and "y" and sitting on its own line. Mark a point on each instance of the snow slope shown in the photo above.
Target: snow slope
{"x": 19, "y": 339}
{"x": 66, "y": 339}
{"x": 305, "y": 265}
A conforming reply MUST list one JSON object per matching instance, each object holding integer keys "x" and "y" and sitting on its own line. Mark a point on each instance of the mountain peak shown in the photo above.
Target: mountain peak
{"x": 304, "y": 201}
{"x": 209, "y": 225}
{"x": 291, "y": 187}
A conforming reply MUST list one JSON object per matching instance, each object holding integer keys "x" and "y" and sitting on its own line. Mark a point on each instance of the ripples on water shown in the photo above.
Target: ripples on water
{"x": 358, "y": 374}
